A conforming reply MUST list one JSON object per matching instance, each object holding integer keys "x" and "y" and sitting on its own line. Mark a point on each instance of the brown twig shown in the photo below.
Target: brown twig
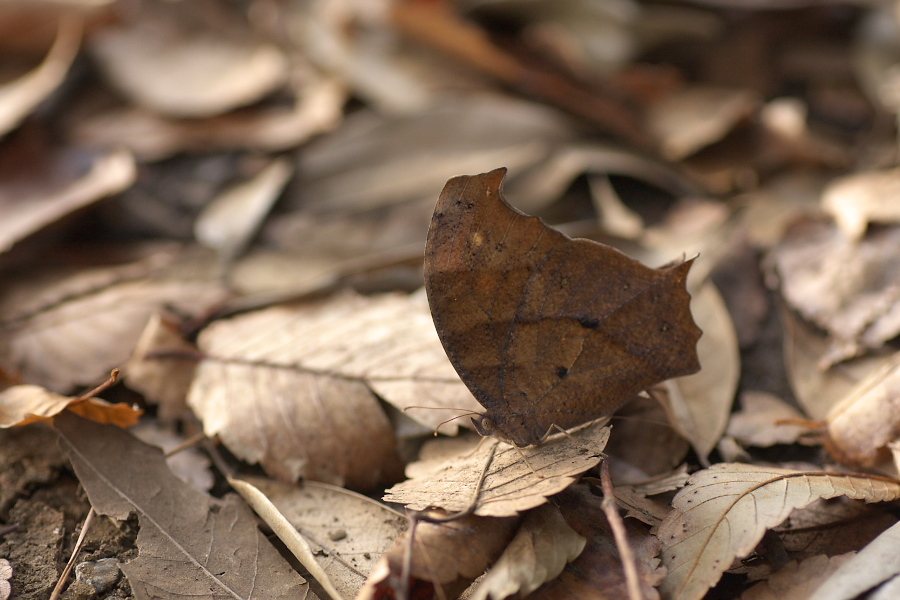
{"x": 620, "y": 535}
{"x": 64, "y": 577}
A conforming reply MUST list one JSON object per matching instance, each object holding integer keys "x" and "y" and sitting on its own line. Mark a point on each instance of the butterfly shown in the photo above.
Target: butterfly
{"x": 545, "y": 330}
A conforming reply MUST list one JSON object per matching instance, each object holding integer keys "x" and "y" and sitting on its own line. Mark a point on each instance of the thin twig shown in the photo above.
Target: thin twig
{"x": 621, "y": 537}
{"x": 64, "y": 577}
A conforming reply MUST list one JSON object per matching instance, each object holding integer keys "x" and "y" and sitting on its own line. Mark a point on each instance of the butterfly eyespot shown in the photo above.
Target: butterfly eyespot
{"x": 561, "y": 372}
{"x": 664, "y": 328}
{"x": 589, "y": 323}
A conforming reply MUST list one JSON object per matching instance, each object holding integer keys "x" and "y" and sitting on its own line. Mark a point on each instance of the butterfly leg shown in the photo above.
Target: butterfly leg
{"x": 473, "y": 504}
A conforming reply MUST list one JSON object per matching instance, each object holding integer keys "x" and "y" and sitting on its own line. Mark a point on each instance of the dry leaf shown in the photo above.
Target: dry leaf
{"x": 386, "y": 342}
{"x": 639, "y": 506}
{"x": 872, "y": 566}
{"x": 73, "y": 330}
{"x": 698, "y": 116}
{"x": 598, "y": 573}
{"x": 317, "y": 108}
{"x": 6, "y": 573}
{"x": 797, "y": 581}
{"x": 724, "y": 512}
{"x": 347, "y": 532}
{"x": 286, "y": 532}
{"x": 701, "y": 403}
{"x": 41, "y": 186}
{"x": 160, "y": 368}
{"x": 857, "y": 200}
{"x": 446, "y": 555}
{"x": 18, "y": 98}
{"x": 862, "y": 424}
{"x": 757, "y": 423}
{"x": 26, "y": 404}
{"x": 182, "y": 61}
{"x": 543, "y": 546}
{"x": 231, "y": 219}
{"x": 818, "y": 391}
{"x": 643, "y": 444}
{"x": 203, "y": 549}
{"x": 833, "y": 526}
{"x": 510, "y": 486}
{"x": 848, "y": 288}
{"x": 188, "y": 464}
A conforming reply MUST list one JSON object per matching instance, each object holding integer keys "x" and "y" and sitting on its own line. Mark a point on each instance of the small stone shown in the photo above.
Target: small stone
{"x": 337, "y": 535}
{"x": 102, "y": 574}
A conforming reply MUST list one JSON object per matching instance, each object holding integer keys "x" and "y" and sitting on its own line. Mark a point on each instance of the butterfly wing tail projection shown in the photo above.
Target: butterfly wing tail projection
{"x": 546, "y": 330}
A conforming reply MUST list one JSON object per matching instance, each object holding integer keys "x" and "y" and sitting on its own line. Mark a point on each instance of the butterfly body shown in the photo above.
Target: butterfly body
{"x": 546, "y": 330}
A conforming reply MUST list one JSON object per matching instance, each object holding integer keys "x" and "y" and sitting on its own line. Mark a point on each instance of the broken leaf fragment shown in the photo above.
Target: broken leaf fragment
{"x": 510, "y": 485}
{"x": 26, "y": 404}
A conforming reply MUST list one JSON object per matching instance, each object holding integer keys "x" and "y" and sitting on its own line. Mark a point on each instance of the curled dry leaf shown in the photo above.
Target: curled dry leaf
{"x": 542, "y": 547}
{"x": 446, "y": 555}
{"x": 700, "y": 404}
{"x": 833, "y": 526}
{"x": 25, "y": 404}
{"x": 724, "y": 512}
{"x": 861, "y": 426}
{"x": 182, "y": 61}
{"x": 161, "y": 368}
{"x": 698, "y": 116}
{"x": 859, "y": 199}
{"x": 849, "y": 288}
{"x": 597, "y": 574}
{"x": 757, "y": 423}
{"x": 510, "y": 485}
{"x": 205, "y": 548}
{"x": 797, "y": 581}
{"x": 231, "y": 219}
{"x": 347, "y": 532}
{"x": 18, "y": 98}
{"x": 74, "y": 329}
{"x": 543, "y": 329}
{"x": 875, "y": 564}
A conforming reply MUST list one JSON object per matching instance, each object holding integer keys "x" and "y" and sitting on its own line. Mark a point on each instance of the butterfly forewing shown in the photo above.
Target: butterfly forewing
{"x": 546, "y": 330}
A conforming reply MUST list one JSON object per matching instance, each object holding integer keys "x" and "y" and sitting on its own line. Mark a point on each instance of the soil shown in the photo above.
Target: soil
{"x": 42, "y": 509}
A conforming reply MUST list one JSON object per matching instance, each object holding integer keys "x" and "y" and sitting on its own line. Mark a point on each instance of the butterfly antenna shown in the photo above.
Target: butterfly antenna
{"x": 471, "y": 412}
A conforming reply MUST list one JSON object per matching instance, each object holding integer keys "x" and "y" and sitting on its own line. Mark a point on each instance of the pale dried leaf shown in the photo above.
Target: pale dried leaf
{"x": 203, "y": 549}
{"x": 510, "y": 486}
{"x": 18, "y": 98}
{"x": 862, "y": 424}
{"x": 449, "y": 555}
{"x": 795, "y": 580}
{"x": 724, "y": 512}
{"x": 857, "y": 200}
{"x": 33, "y": 198}
{"x": 231, "y": 219}
{"x": 872, "y": 566}
{"x": 293, "y": 422}
{"x": 542, "y": 547}
{"x": 848, "y": 288}
{"x": 615, "y": 218}
{"x": 698, "y": 116}
{"x": 25, "y": 404}
{"x": 348, "y": 532}
{"x": 700, "y": 404}
{"x": 640, "y": 507}
{"x": 149, "y": 136}
{"x": 181, "y": 62}
{"x": 160, "y": 368}
{"x": 757, "y": 423}
{"x": 73, "y": 330}
{"x": 386, "y": 342}
{"x": 286, "y": 532}
{"x": 817, "y": 391}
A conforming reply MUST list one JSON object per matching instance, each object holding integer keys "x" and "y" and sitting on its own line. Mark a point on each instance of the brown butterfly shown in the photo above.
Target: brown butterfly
{"x": 546, "y": 330}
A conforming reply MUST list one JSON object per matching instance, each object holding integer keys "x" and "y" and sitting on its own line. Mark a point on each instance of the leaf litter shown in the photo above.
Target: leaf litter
{"x": 114, "y": 152}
